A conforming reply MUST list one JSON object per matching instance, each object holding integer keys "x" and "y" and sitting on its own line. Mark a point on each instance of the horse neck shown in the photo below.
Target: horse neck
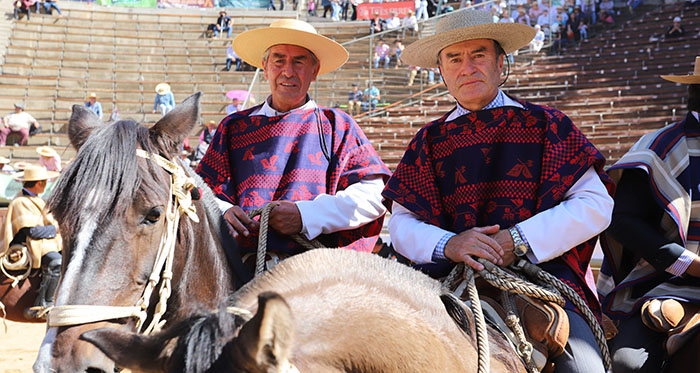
{"x": 201, "y": 275}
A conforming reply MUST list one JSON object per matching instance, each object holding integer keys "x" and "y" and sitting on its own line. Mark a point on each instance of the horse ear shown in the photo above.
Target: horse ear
{"x": 268, "y": 337}
{"x": 130, "y": 350}
{"x": 80, "y": 125}
{"x": 171, "y": 130}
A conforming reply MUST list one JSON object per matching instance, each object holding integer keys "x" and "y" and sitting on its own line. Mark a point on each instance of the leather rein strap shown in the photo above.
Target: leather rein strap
{"x": 180, "y": 187}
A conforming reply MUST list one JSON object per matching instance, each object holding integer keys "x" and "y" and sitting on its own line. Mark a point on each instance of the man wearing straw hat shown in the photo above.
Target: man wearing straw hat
{"x": 165, "y": 101}
{"x": 649, "y": 279}
{"x": 49, "y": 158}
{"x": 94, "y": 105}
{"x": 315, "y": 163}
{"x": 28, "y": 224}
{"x": 499, "y": 178}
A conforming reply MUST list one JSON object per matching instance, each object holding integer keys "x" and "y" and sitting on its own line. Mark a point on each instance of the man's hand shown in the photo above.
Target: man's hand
{"x": 285, "y": 218}
{"x": 239, "y": 223}
{"x": 504, "y": 239}
{"x": 476, "y": 242}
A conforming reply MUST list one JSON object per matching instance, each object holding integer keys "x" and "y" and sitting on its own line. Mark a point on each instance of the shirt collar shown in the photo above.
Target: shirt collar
{"x": 27, "y": 192}
{"x": 500, "y": 100}
{"x": 695, "y": 114}
{"x": 268, "y": 111}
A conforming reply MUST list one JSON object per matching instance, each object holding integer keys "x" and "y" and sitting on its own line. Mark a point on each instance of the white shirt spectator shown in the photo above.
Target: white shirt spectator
{"x": 18, "y": 121}
{"x": 410, "y": 23}
{"x": 231, "y": 54}
{"x": 393, "y": 23}
{"x": 543, "y": 19}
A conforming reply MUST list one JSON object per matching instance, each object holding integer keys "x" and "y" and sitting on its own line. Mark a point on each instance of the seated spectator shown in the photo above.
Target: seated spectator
{"x": 5, "y": 167}
{"x": 410, "y": 22}
{"x": 312, "y": 8}
{"x": 495, "y": 13}
{"x": 606, "y": 18}
{"x": 583, "y": 29}
{"x": 48, "y": 5}
{"x": 382, "y": 52}
{"x": 231, "y": 57}
{"x": 538, "y": 41}
{"x": 535, "y": 11}
{"x": 412, "y": 75}
{"x": 93, "y": 105}
{"x": 234, "y": 106}
{"x": 523, "y": 18}
{"x": 371, "y": 98}
{"x": 19, "y": 122}
{"x": 223, "y": 23}
{"x": 204, "y": 140}
{"x": 393, "y": 22}
{"x": 606, "y": 6}
{"x": 49, "y": 158}
{"x": 633, "y": 4}
{"x": 22, "y": 6}
{"x": 355, "y": 100}
{"x": 376, "y": 24}
{"x": 574, "y": 24}
{"x": 211, "y": 28}
{"x": 543, "y": 19}
{"x": 396, "y": 51}
{"x": 515, "y": 13}
{"x": 165, "y": 100}
{"x": 676, "y": 30}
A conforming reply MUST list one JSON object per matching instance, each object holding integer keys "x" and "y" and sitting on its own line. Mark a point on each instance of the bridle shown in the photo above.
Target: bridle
{"x": 179, "y": 204}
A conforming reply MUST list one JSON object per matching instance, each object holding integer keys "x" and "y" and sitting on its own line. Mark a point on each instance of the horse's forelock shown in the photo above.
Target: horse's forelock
{"x": 101, "y": 181}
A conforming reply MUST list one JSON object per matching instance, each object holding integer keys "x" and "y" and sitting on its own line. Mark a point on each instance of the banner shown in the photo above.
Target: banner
{"x": 367, "y": 10}
{"x": 186, "y": 3}
{"x": 130, "y": 3}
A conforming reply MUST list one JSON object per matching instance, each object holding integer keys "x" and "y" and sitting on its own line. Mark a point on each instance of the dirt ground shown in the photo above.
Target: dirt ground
{"x": 19, "y": 346}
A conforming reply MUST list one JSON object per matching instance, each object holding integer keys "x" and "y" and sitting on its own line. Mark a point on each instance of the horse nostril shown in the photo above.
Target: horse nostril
{"x": 96, "y": 370}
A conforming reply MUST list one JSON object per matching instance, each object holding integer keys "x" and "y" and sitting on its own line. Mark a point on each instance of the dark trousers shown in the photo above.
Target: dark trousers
{"x": 21, "y": 10}
{"x": 581, "y": 354}
{"x": 229, "y": 61}
{"x": 637, "y": 348}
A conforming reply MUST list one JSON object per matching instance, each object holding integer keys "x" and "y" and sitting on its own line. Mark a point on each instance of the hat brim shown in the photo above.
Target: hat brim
{"x": 683, "y": 79}
{"x": 511, "y": 37}
{"x": 252, "y": 44}
{"x": 49, "y": 175}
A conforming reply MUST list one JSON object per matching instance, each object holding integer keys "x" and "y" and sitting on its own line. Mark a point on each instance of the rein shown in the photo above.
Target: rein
{"x": 181, "y": 204}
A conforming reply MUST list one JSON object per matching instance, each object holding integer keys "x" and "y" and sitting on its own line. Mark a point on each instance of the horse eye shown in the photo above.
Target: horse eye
{"x": 153, "y": 216}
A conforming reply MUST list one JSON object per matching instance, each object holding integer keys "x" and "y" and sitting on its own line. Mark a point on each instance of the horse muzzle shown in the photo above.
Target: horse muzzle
{"x": 67, "y": 353}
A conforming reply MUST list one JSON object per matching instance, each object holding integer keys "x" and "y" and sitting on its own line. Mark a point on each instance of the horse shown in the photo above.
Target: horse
{"x": 112, "y": 210}
{"x": 324, "y": 310}
{"x": 114, "y": 206}
{"x": 16, "y": 299}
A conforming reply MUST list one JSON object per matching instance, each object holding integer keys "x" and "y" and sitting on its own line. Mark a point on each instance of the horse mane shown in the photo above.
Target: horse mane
{"x": 108, "y": 160}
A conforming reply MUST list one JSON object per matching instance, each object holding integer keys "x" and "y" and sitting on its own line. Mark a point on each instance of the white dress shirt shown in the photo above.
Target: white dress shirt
{"x": 357, "y": 205}
{"x": 584, "y": 212}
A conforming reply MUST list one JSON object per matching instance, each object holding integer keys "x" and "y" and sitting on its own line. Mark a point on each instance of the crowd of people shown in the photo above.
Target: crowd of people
{"x": 25, "y": 7}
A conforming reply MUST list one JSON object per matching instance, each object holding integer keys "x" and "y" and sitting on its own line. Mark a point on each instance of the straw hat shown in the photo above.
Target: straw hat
{"x": 35, "y": 173}
{"x": 21, "y": 165}
{"x": 163, "y": 88}
{"x": 19, "y": 105}
{"x": 466, "y": 25}
{"x": 92, "y": 95}
{"x": 4, "y": 160}
{"x": 252, "y": 44}
{"x": 46, "y": 151}
{"x": 693, "y": 78}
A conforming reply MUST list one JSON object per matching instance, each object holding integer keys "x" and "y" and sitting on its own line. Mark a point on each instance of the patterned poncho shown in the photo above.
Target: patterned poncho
{"x": 670, "y": 157}
{"x": 497, "y": 166}
{"x": 256, "y": 159}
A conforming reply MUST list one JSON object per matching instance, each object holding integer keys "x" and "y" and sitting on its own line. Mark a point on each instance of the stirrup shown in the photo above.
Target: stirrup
{"x": 37, "y": 312}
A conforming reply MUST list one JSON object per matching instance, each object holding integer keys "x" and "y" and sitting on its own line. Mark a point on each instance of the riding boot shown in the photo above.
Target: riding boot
{"x": 50, "y": 274}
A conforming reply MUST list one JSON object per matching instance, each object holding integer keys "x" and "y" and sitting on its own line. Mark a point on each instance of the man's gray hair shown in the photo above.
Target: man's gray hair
{"x": 314, "y": 59}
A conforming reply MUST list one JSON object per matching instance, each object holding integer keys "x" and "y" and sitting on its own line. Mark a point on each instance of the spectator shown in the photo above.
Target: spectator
{"x": 94, "y": 105}
{"x": 353, "y": 4}
{"x": 165, "y": 101}
{"x": 371, "y": 97}
{"x": 326, "y": 7}
{"x": 355, "y": 100}
{"x": 583, "y": 29}
{"x": 676, "y": 30}
{"x": 382, "y": 53}
{"x": 223, "y": 23}
{"x": 231, "y": 57}
{"x": 234, "y": 106}
{"x": 18, "y": 122}
{"x": 606, "y": 6}
{"x": 633, "y": 4}
{"x": 393, "y": 22}
{"x": 522, "y": 18}
{"x": 606, "y": 18}
{"x": 48, "y": 5}
{"x": 538, "y": 41}
{"x": 396, "y": 51}
{"x": 22, "y": 6}
{"x": 312, "y": 8}
{"x": 495, "y": 13}
{"x": 345, "y": 5}
{"x": 204, "y": 140}
{"x": 412, "y": 75}
{"x": 422, "y": 12}
{"x": 535, "y": 11}
{"x": 49, "y": 158}
{"x": 574, "y": 24}
{"x": 376, "y": 24}
{"x": 410, "y": 22}
{"x": 337, "y": 9}
{"x": 543, "y": 20}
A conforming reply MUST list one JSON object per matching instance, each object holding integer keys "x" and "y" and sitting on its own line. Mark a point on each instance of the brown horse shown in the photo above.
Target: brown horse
{"x": 111, "y": 209}
{"x": 17, "y": 299}
{"x": 331, "y": 311}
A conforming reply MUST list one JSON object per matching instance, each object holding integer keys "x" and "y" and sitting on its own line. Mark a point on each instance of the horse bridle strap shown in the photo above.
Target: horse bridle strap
{"x": 180, "y": 187}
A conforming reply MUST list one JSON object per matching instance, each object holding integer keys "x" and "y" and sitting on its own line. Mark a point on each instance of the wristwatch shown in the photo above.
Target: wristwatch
{"x": 519, "y": 246}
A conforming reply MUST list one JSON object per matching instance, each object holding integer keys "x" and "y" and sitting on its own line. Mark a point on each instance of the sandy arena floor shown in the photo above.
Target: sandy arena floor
{"x": 19, "y": 346}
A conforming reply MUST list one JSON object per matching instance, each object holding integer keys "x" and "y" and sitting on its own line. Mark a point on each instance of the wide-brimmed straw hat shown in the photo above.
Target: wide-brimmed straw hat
{"x": 46, "y": 151}
{"x": 466, "y": 25}
{"x": 693, "y": 78}
{"x": 35, "y": 173}
{"x": 252, "y": 44}
{"x": 163, "y": 88}
{"x": 92, "y": 95}
{"x": 4, "y": 160}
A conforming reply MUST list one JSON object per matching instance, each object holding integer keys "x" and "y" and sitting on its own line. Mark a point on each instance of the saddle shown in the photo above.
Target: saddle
{"x": 545, "y": 324}
{"x": 679, "y": 320}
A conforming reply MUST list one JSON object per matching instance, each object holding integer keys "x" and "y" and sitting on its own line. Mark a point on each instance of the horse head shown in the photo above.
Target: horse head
{"x": 123, "y": 199}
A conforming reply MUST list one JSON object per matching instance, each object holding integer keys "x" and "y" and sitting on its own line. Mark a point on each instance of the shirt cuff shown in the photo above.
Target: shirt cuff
{"x": 439, "y": 252}
{"x": 681, "y": 264}
{"x": 223, "y": 205}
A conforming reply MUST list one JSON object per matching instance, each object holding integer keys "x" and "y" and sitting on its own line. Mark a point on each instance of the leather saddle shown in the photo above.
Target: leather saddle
{"x": 679, "y": 319}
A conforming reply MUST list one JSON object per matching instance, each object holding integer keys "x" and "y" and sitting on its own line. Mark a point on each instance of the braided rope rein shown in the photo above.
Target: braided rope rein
{"x": 507, "y": 282}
